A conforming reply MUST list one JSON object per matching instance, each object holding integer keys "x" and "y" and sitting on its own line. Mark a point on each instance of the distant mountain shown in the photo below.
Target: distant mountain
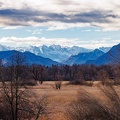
{"x": 81, "y": 58}
{"x": 58, "y": 53}
{"x": 3, "y": 48}
{"x": 29, "y": 57}
{"x": 104, "y": 49}
{"x": 54, "y": 52}
{"x": 111, "y": 57}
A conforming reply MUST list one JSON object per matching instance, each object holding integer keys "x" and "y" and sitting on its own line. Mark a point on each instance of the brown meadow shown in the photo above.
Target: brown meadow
{"x": 59, "y": 100}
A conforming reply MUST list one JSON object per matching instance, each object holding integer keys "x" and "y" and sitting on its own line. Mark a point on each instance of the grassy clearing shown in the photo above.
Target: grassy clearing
{"x": 58, "y": 100}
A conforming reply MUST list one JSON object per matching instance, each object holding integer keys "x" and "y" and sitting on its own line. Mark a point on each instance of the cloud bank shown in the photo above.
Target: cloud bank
{"x": 61, "y": 14}
{"x": 35, "y": 41}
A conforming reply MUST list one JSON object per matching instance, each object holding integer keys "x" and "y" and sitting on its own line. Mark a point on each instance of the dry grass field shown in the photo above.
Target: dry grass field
{"x": 58, "y": 100}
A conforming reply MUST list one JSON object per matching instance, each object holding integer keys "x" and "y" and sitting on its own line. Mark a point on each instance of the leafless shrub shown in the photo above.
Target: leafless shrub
{"x": 87, "y": 107}
{"x": 88, "y": 83}
{"x": 58, "y": 85}
{"x": 117, "y": 75}
{"x": 77, "y": 82}
{"x": 103, "y": 76}
{"x": 28, "y": 83}
{"x": 82, "y": 82}
{"x": 29, "y": 106}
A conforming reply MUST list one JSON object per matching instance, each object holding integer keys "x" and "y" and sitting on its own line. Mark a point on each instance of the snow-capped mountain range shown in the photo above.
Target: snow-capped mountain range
{"x": 41, "y": 55}
{"x": 54, "y": 52}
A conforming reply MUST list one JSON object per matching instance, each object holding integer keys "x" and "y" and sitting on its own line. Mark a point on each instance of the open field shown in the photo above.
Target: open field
{"x": 58, "y": 100}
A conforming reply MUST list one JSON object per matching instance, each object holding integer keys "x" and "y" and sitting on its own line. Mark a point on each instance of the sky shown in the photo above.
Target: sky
{"x": 85, "y": 23}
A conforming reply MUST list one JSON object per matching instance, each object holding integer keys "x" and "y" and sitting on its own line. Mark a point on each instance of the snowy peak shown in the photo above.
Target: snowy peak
{"x": 105, "y": 49}
{"x": 54, "y": 52}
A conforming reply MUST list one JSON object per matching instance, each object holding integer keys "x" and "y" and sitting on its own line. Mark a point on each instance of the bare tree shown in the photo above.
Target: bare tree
{"x": 37, "y": 72}
{"x": 103, "y": 76}
{"x": 58, "y": 82}
{"x": 116, "y": 72}
{"x": 17, "y": 101}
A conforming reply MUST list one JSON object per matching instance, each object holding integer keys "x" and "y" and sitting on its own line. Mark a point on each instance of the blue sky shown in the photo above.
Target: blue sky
{"x": 85, "y": 23}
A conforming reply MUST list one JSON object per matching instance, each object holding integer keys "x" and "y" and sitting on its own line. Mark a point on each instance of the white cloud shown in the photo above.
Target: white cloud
{"x": 35, "y": 32}
{"x": 88, "y": 30}
{"x": 35, "y": 41}
{"x": 11, "y": 27}
{"x": 63, "y": 26}
{"x": 61, "y": 14}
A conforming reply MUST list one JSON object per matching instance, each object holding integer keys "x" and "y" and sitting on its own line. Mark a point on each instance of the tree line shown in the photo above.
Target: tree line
{"x": 75, "y": 73}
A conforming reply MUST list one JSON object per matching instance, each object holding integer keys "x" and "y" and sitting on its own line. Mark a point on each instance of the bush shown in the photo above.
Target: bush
{"x": 82, "y": 82}
{"x": 77, "y": 82}
{"x": 58, "y": 85}
{"x": 28, "y": 83}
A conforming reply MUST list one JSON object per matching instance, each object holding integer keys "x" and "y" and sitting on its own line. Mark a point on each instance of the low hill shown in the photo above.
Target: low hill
{"x": 81, "y": 58}
{"x": 30, "y": 58}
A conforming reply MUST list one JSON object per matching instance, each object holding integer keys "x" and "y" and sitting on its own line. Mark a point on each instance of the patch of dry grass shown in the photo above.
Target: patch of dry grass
{"x": 58, "y": 100}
